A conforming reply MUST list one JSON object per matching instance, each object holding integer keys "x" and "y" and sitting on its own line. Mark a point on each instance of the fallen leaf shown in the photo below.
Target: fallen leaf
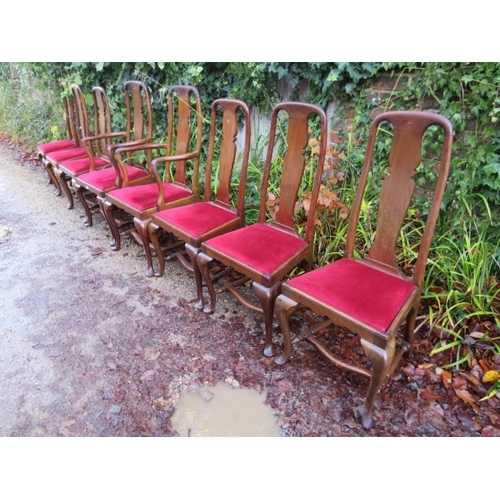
{"x": 465, "y": 396}
{"x": 430, "y": 395}
{"x": 424, "y": 366}
{"x": 459, "y": 383}
{"x": 446, "y": 377}
{"x": 491, "y": 376}
{"x": 484, "y": 365}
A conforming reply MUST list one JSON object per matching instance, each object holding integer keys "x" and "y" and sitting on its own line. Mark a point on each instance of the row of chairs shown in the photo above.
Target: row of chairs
{"x": 369, "y": 295}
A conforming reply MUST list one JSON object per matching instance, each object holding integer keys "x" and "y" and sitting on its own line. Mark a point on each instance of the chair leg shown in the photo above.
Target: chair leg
{"x": 203, "y": 260}
{"x": 155, "y": 240}
{"x": 115, "y": 241}
{"x": 88, "y": 213}
{"x": 283, "y": 308}
{"x": 410, "y": 330}
{"x": 61, "y": 178}
{"x": 267, "y": 297}
{"x": 141, "y": 227}
{"x": 52, "y": 177}
{"x": 193, "y": 254}
{"x": 381, "y": 361}
{"x": 100, "y": 203}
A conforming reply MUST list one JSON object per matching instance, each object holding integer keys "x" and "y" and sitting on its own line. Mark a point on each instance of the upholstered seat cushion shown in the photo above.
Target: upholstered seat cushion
{"x": 357, "y": 289}
{"x": 49, "y": 147}
{"x": 82, "y": 165}
{"x": 104, "y": 180}
{"x": 145, "y": 196}
{"x": 196, "y": 219}
{"x": 261, "y": 247}
{"x": 66, "y": 154}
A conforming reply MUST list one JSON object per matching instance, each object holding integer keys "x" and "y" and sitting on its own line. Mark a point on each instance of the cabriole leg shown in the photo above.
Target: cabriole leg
{"x": 267, "y": 297}
{"x": 115, "y": 241}
{"x": 88, "y": 213}
{"x": 141, "y": 227}
{"x": 52, "y": 177}
{"x": 193, "y": 254}
{"x": 381, "y": 360}
{"x": 283, "y": 308}
{"x": 203, "y": 261}
{"x": 155, "y": 240}
{"x": 61, "y": 178}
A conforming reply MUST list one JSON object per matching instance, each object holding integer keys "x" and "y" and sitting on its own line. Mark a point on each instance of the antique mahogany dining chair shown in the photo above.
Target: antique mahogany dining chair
{"x": 264, "y": 252}
{"x": 370, "y": 295}
{"x": 67, "y": 143}
{"x": 95, "y": 149}
{"x": 176, "y": 185}
{"x": 78, "y": 129}
{"x": 138, "y": 130}
{"x": 222, "y": 208}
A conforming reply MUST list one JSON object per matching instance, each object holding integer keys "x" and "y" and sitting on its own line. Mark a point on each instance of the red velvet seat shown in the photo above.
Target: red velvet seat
{"x": 50, "y": 147}
{"x": 82, "y": 165}
{"x": 196, "y": 220}
{"x": 375, "y": 304}
{"x": 138, "y": 130}
{"x": 177, "y": 185}
{"x": 370, "y": 295}
{"x": 223, "y": 208}
{"x": 268, "y": 250}
{"x": 66, "y": 154}
{"x": 105, "y": 180}
{"x": 261, "y": 248}
{"x": 138, "y": 199}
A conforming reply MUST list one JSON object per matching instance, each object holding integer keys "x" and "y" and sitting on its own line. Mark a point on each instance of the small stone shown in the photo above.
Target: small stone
{"x": 115, "y": 409}
{"x": 108, "y": 394}
{"x": 258, "y": 330}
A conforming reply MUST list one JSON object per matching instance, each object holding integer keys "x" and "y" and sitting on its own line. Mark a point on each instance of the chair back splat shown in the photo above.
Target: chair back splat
{"x": 265, "y": 252}
{"x": 371, "y": 295}
{"x": 223, "y": 207}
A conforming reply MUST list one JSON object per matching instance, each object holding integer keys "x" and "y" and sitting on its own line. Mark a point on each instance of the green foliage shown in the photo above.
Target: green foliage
{"x": 31, "y": 107}
{"x": 462, "y": 286}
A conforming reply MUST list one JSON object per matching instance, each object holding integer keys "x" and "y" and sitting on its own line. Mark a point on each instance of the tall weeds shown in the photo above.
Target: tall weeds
{"x": 462, "y": 289}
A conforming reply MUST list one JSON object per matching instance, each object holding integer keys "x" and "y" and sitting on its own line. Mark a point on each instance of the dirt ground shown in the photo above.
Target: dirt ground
{"x": 91, "y": 347}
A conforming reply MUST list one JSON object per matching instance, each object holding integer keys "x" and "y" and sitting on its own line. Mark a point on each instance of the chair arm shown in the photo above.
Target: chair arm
{"x": 167, "y": 178}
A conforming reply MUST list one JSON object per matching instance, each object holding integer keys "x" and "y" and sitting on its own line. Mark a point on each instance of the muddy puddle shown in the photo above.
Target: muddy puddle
{"x": 224, "y": 411}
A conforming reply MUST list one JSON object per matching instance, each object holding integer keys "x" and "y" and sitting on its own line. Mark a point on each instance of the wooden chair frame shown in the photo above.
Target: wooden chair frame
{"x": 68, "y": 143}
{"x": 242, "y": 249}
{"x": 371, "y": 296}
{"x": 138, "y": 130}
{"x": 77, "y": 123}
{"x": 178, "y": 152}
{"x": 95, "y": 146}
{"x": 217, "y": 213}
